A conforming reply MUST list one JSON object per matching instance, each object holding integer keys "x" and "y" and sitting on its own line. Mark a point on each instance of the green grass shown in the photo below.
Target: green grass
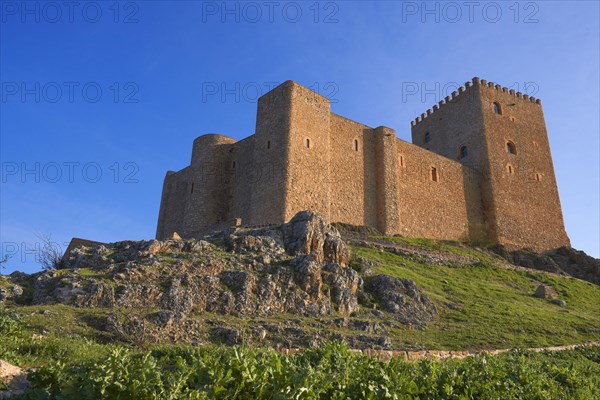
{"x": 486, "y": 306}
{"x": 481, "y": 305}
{"x": 73, "y": 367}
{"x": 90, "y": 273}
{"x": 4, "y": 282}
{"x": 22, "y": 343}
{"x": 94, "y": 274}
{"x": 453, "y": 247}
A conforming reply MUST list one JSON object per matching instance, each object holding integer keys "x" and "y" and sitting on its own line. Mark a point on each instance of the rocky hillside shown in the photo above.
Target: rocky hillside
{"x": 296, "y": 285}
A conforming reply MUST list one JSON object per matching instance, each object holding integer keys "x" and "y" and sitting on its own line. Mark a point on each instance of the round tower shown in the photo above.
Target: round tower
{"x": 211, "y": 175}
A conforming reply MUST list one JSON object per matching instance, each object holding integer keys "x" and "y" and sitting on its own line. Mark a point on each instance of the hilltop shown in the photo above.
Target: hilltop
{"x": 308, "y": 282}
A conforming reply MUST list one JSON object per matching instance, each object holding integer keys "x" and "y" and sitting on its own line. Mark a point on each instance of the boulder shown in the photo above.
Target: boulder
{"x": 11, "y": 293}
{"x": 13, "y": 378}
{"x": 308, "y": 233}
{"x": 546, "y": 292}
{"x": 402, "y": 298}
{"x": 559, "y": 302}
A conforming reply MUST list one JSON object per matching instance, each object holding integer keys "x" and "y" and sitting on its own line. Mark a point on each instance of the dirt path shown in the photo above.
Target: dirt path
{"x": 443, "y": 355}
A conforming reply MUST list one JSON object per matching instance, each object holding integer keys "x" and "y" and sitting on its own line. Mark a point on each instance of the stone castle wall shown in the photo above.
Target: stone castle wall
{"x": 353, "y": 187}
{"x": 302, "y": 156}
{"x": 245, "y": 175}
{"x": 308, "y": 173}
{"x": 519, "y": 195}
{"x": 449, "y": 208}
{"x": 526, "y": 202}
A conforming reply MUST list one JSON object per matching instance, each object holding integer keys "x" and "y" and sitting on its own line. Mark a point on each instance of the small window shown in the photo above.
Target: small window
{"x": 268, "y": 144}
{"x": 233, "y": 164}
{"x": 427, "y": 137}
{"x": 355, "y": 144}
{"x": 463, "y": 152}
{"x": 510, "y": 148}
{"x": 497, "y": 108}
{"x": 192, "y": 191}
{"x": 308, "y": 143}
{"x": 402, "y": 161}
{"x": 538, "y": 177}
{"x": 509, "y": 169}
{"x": 434, "y": 174}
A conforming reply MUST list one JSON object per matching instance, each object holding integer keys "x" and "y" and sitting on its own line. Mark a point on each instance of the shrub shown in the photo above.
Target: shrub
{"x": 331, "y": 372}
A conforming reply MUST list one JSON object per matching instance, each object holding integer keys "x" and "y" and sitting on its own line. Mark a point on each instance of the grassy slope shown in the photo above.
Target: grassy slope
{"x": 480, "y": 305}
{"x": 486, "y": 306}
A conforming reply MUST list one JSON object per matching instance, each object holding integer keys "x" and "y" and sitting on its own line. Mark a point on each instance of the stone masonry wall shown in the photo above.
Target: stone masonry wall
{"x": 270, "y": 158}
{"x": 451, "y": 124}
{"x": 210, "y": 189}
{"x": 353, "y": 187}
{"x": 522, "y": 184}
{"x": 247, "y": 173}
{"x": 173, "y": 203}
{"x": 309, "y": 153}
{"x": 305, "y": 157}
{"x": 520, "y": 208}
{"x": 449, "y": 208}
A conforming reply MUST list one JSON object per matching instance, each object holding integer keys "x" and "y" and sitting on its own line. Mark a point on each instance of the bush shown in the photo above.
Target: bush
{"x": 10, "y": 324}
{"x": 331, "y": 372}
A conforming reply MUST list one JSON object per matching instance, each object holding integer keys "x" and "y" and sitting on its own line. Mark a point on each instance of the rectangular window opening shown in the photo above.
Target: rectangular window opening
{"x": 434, "y": 174}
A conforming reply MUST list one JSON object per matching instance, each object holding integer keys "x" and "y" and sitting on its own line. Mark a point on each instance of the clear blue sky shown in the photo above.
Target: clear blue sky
{"x": 123, "y": 90}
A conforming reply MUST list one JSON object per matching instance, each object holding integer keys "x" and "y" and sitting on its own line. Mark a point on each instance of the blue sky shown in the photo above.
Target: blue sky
{"x": 100, "y": 100}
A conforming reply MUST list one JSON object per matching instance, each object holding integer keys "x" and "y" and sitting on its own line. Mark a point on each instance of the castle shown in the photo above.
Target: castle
{"x": 479, "y": 167}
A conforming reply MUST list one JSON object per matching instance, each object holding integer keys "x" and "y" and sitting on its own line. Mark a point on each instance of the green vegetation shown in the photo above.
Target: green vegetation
{"x": 20, "y": 345}
{"x": 331, "y": 372}
{"x": 452, "y": 247}
{"x": 481, "y": 305}
{"x": 487, "y": 306}
{"x": 77, "y": 368}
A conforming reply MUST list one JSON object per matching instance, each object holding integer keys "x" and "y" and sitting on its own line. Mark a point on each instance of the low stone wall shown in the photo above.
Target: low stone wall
{"x": 439, "y": 355}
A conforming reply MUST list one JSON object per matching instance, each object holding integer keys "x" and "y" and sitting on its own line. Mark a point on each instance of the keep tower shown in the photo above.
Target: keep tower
{"x": 501, "y": 134}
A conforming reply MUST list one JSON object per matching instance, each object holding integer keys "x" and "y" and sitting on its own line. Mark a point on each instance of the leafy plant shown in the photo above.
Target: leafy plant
{"x": 10, "y": 324}
{"x": 331, "y": 372}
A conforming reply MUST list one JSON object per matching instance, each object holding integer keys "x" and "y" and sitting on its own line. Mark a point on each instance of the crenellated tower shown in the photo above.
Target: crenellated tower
{"x": 501, "y": 135}
{"x": 479, "y": 168}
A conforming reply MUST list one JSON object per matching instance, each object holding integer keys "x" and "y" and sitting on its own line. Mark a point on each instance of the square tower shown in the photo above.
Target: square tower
{"x": 502, "y": 135}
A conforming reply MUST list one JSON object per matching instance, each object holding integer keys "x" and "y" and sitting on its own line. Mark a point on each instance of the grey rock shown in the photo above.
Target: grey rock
{"x": 226, "y": 336}
{"x": 559, "y": 302}
{"x": 14, "y": 380}
{"x": 308, "y": 233}
{"x": 563, "y": 260}
{"x": 402, "y": 299}
{"x": 367, "y": 326}
{"x": 384, "y": 342}
{"x": 546, "y": 292}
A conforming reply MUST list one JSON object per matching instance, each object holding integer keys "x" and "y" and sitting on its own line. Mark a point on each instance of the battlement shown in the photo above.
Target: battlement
{"x": 457, "y": 180}
{"x": 466, "y": 90}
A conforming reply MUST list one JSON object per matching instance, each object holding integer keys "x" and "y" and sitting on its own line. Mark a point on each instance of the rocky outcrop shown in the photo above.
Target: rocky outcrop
{"x": 308, "y": 233}
{"x": 298, "y": 268}
{"x": 402, "y": 298}
{"x": 563, "y": 260}
{"x": 239, "y": 283}
{"x": 10, "y": 293}
{"x": 173, "y": 286}
{"x": 13, "y": 381}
